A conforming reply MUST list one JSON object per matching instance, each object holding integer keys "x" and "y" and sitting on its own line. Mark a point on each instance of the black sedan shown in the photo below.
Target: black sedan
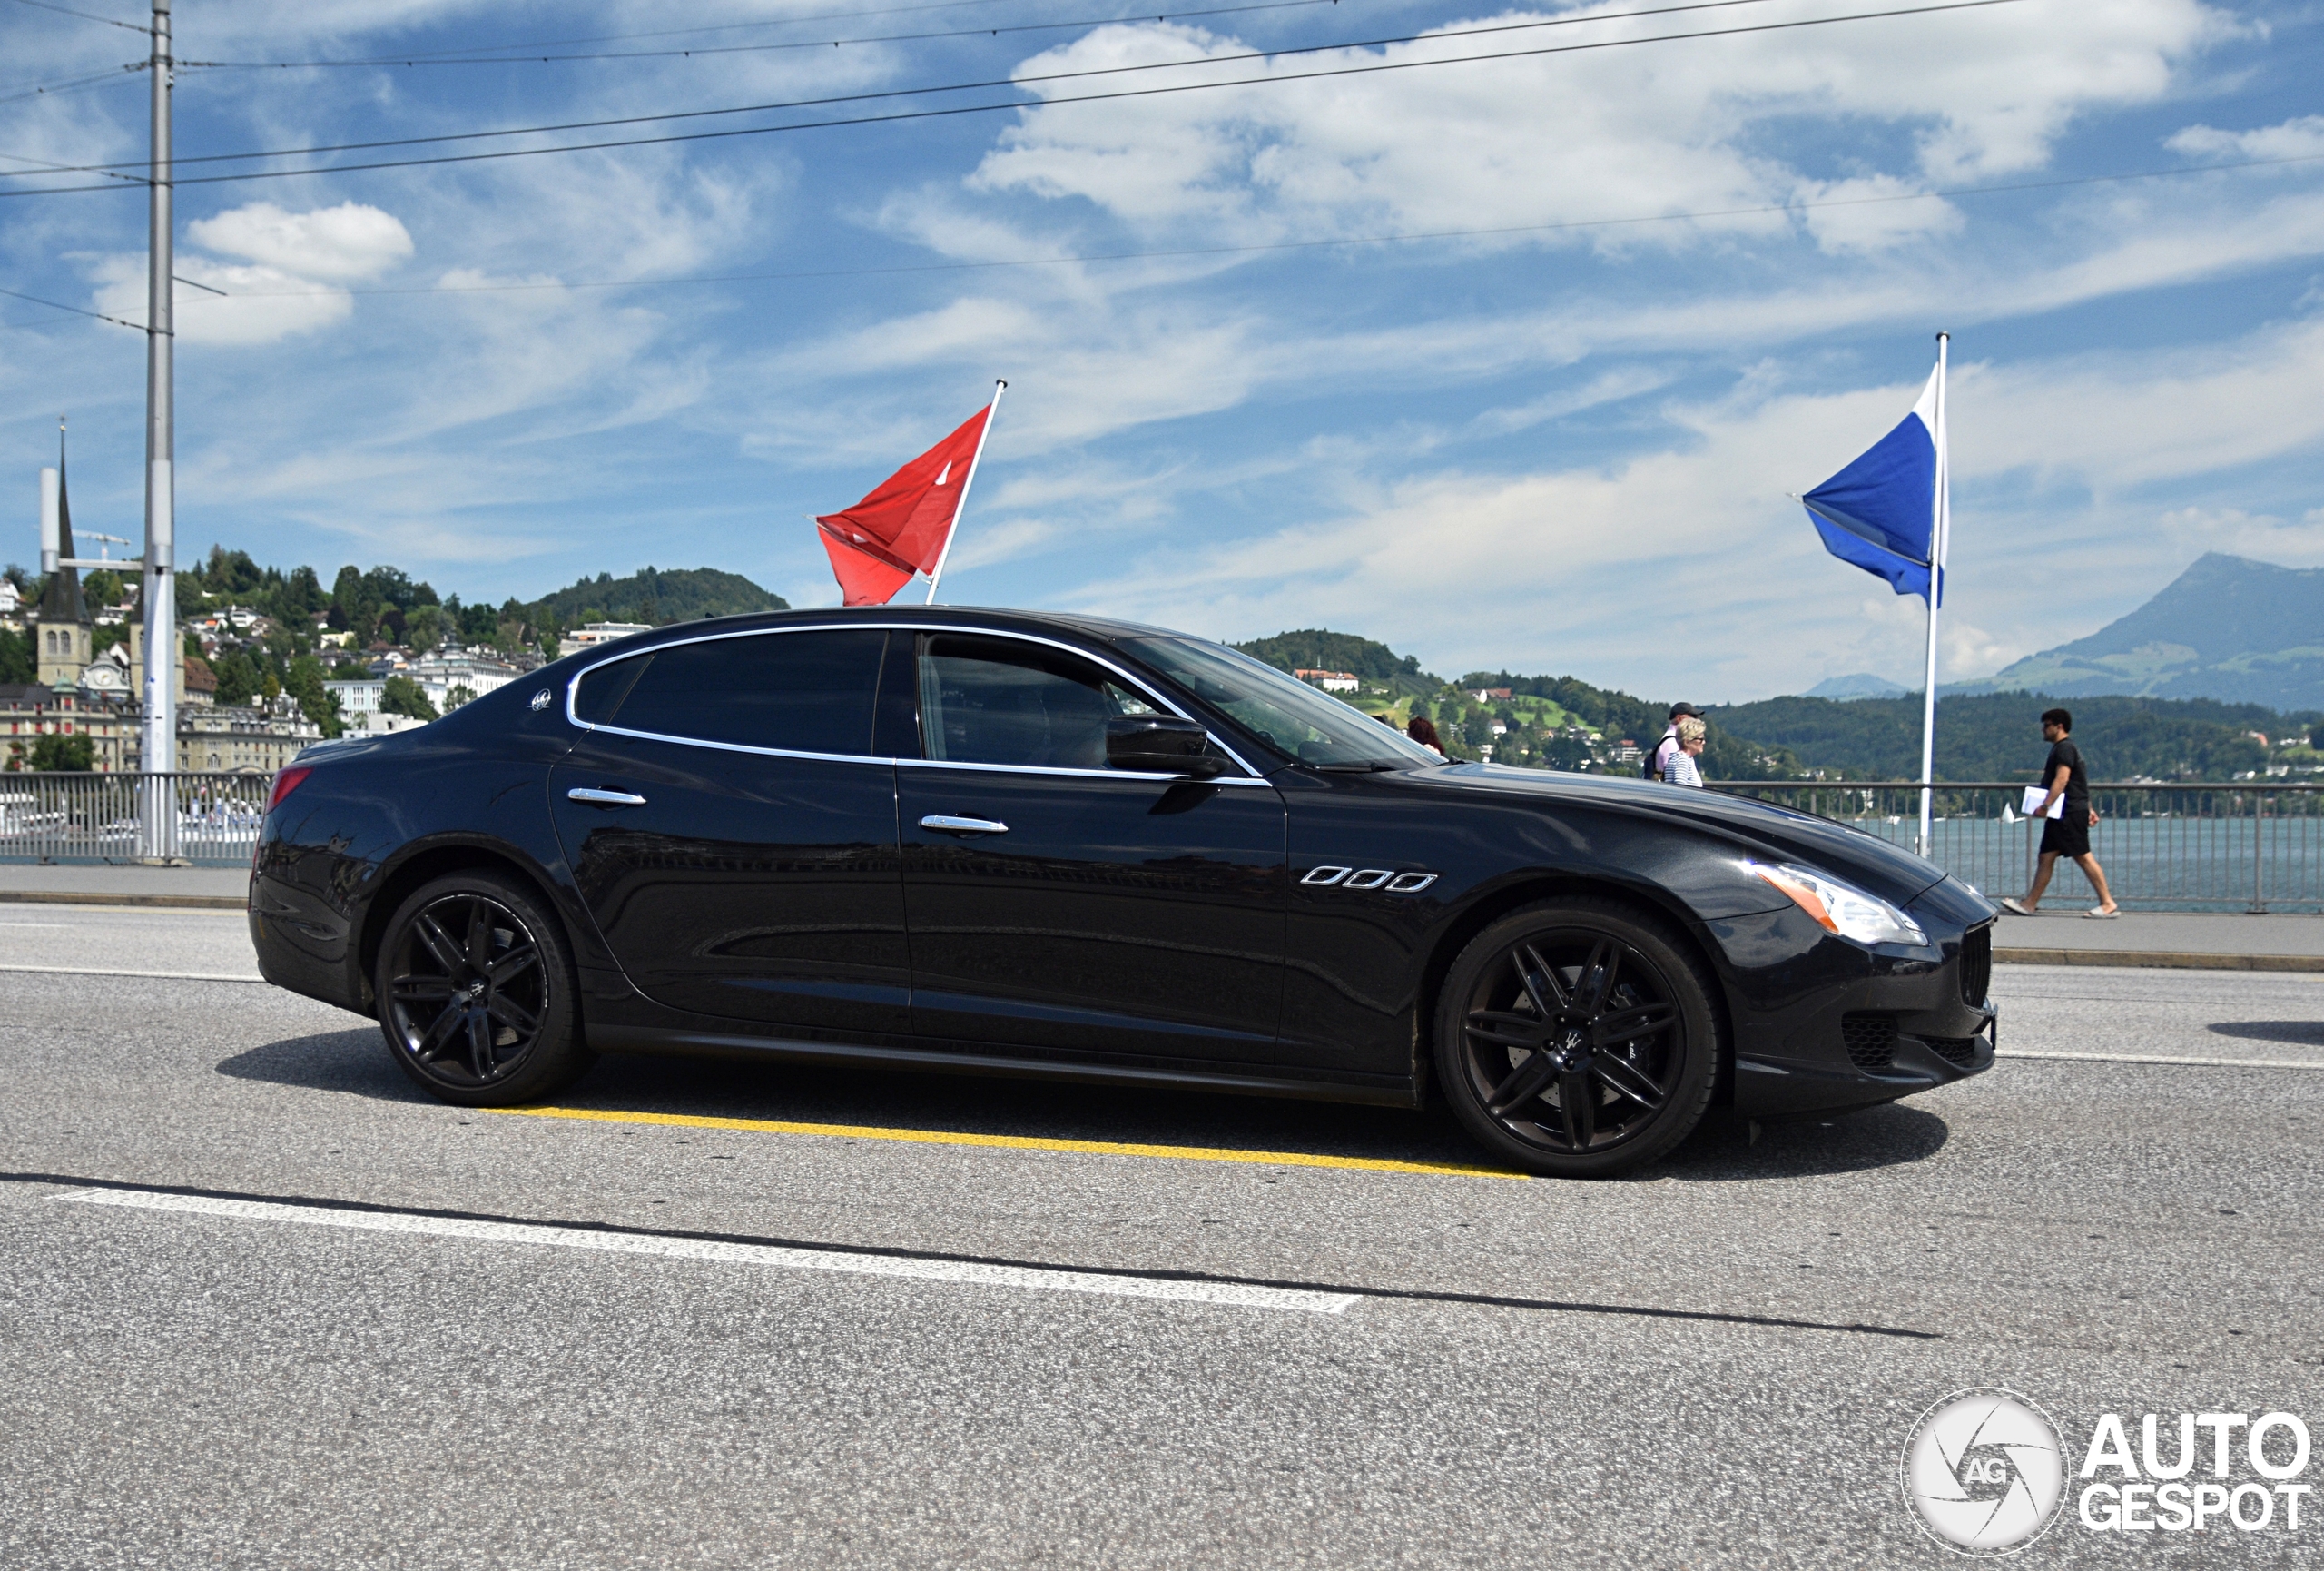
{"x": 1002, "y": 842}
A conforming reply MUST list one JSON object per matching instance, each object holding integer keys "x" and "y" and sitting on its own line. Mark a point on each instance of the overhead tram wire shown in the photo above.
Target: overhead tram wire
{"x": 1281, "y": 245}
{"x": 1685, "y": 5}
{"x": 84, "y": 15}
{"x": 790, "y": 44}
{"x": 1372, "y": 68}
{"x": 76, "y": 311}
{"x": 517, "y": 52}
{"x": 70, "y": 84}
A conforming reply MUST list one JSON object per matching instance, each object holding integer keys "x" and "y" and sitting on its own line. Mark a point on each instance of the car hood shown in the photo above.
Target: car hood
{"x": 1878, "y": 868}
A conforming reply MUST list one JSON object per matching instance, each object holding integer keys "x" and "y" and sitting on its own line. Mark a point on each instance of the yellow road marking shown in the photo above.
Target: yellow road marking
{"x": 1008, "y": 1141}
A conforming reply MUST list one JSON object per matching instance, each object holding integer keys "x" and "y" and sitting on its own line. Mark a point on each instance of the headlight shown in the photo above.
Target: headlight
{"x": 1840, "y": 907}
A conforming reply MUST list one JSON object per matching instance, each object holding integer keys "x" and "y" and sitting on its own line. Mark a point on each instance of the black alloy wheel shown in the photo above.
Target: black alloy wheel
{"x": 476, "y": 993}
{"x": 1578, "y": 1038}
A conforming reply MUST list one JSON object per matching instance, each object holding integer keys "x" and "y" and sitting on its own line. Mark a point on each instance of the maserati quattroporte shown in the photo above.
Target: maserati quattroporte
{"x": 1003, "y": 842}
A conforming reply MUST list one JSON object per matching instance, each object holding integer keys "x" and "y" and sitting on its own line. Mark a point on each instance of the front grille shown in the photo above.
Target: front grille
{"x": 1871, "y": 1039}
{"x": 1976, "y": 965}
{"x": 1960, "y": 1051}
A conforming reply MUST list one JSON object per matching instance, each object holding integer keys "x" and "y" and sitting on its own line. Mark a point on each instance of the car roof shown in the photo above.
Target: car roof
{"x": 1103, "y": 629}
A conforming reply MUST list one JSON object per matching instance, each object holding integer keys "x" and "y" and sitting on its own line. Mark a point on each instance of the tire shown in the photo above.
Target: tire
{"x": 1577, "y": 1037}
{"x": 476, "y": 993}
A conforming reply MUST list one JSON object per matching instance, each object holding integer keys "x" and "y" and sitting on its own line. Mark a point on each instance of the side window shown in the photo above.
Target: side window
{"x": 599, "y": 697}
{"x": 804, "y": 691}
{"x": 1000, "y": 701}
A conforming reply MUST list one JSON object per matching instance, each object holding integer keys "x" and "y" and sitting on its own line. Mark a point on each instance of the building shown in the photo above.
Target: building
{"x": 255, "y": 740}
{"x": 29, "y": 711}
{"x": 1488, "y": 695}
{"x": 447, "y": 677}
{"x": 442, "y": 673}
{"x": 1330, "y": 681}
{"x": 591, "y": 634}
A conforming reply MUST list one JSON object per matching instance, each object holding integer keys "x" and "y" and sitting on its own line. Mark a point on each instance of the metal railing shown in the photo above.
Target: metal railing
{"x": 93, "y": 818}
{"x": 2244, "y": 846}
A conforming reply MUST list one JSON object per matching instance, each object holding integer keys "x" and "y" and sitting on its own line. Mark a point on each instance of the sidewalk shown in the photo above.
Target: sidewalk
{"x": 213, "y": 888}
{"x": 2223, "y": 940}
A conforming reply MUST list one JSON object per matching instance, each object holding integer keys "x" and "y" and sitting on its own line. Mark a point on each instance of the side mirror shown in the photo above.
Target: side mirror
{"x": 1159, "y": 744}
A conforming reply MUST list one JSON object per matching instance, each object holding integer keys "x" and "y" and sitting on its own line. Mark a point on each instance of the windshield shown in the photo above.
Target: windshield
{"x": 1298, "y": 720}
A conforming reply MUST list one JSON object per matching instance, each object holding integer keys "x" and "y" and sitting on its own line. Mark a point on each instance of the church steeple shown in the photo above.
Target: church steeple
{"x": 66, "y": 629}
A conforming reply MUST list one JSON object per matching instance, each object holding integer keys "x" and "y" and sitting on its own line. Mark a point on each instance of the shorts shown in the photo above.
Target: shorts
{"x": 2068, "y": 835}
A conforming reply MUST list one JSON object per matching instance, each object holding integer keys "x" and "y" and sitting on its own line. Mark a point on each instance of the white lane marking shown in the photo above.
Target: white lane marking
{"x": 161, "y": 975}
{"x": 2200, "y": 1062}
{"x": 1235, "y": 1294}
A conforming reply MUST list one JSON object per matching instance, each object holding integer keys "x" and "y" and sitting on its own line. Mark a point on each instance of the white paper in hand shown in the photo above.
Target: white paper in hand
{"x": 2032, "y": 807}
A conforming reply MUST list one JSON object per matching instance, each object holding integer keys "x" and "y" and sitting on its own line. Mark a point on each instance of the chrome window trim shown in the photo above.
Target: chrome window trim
{"x": 1143, "y": 689}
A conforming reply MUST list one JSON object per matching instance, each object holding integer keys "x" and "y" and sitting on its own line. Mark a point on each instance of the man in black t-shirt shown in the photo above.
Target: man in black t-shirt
{"x": 2068, "y": 835}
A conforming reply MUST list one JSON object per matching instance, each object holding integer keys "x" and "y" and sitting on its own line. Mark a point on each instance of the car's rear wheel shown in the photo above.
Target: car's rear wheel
{"x": 476, "y": 993}
{"x": 1577, "y": 1037}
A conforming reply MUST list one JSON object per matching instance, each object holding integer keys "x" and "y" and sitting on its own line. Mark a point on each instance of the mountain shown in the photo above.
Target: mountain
{"x": 651, "y": 595}
{"x": 1998, "y": 736}
{"x": 1862, "y": 684}
{"x": 2227, "y": 628}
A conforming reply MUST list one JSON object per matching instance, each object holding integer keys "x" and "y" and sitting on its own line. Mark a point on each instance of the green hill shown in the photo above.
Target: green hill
{"x": 652, "y": 595}
{"x": 1998, "y": 736}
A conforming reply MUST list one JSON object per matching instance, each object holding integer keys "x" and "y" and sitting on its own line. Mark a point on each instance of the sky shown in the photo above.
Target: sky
{"x": 1511, "y": 362}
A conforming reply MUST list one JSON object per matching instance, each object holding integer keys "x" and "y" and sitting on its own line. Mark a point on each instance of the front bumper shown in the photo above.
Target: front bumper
{"x": 1823, "y": 1025}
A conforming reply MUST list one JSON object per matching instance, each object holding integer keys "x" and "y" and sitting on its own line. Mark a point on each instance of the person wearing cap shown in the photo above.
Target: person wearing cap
{"x": 1659, "y": 767}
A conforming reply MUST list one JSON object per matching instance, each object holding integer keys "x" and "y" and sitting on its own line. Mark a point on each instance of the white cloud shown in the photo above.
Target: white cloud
{"x": 261, "y": 304}
{"x": 2302, "y": 137}
{"x": 1674, "y": 127}
{"x": 2262, "y": 536}
{"x": 1869, "y": 214}
{"x": 340, "y": 244}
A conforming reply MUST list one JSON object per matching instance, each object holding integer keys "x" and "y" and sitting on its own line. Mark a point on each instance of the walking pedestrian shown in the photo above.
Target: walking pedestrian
{"x": 1422, "y": 730}
{"x": 1691, "y": 735}
{"x": 1657, "y": 763}
{"x": 2068, "y": 835}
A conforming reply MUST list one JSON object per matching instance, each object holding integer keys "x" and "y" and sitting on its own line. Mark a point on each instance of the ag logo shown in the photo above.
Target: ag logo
{"x": 1983, "y": 1472}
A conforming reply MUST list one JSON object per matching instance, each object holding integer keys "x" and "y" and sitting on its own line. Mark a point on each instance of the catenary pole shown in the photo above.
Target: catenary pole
{"x": 158, "y": 818}
{"x": 992, "y": 413}
{"x": 1939, "y": 524}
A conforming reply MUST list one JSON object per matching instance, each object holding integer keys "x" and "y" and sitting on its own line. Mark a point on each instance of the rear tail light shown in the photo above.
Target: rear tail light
{"x": 284, "y": 784}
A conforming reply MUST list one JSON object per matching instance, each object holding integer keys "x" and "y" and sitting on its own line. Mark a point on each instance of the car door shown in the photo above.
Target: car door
{"x": 1056, "y": 904}
{"x": 732, "y": 833}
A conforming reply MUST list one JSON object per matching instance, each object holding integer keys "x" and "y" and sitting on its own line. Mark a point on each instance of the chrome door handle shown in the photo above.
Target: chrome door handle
{"x": 953, "y": 824}
{"x": 595, "y": 797}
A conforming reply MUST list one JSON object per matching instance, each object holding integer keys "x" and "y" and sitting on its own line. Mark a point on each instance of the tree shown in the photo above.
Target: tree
{"x": 402, "y": 695}
{"x": 16, "y": 662}
{"x": 423, "y": 628}
{"x": 237, "y": 677}
{"x": 75, "y": 753}
{"x": 317, "y": 702}
{"x": 101, "y": 588}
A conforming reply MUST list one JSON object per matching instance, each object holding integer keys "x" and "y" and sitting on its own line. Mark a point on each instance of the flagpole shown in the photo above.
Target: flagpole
{"x": 992, "y": 410}
{"x": 1939, "y": 520}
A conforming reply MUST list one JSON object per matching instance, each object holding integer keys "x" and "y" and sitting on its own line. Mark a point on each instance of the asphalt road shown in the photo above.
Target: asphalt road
{"x": 769, "y": 1348}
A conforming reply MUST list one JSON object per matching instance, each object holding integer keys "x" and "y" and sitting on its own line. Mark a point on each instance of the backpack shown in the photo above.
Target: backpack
{"x": 1645, "y": 768}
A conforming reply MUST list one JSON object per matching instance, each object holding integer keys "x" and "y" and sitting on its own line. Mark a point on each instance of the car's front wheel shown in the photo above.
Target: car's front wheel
{"x": 476, "y": 993}
{"x": 1577, "y": 1037}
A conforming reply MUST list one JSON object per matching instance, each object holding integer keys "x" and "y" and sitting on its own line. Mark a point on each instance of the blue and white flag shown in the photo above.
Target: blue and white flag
{"x": 1888, "y": 512}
